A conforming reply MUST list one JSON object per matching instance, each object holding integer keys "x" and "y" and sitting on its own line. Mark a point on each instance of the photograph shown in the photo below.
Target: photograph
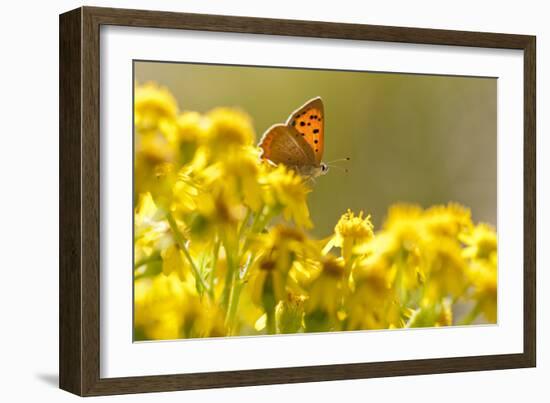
{"x": 285, "y": 200}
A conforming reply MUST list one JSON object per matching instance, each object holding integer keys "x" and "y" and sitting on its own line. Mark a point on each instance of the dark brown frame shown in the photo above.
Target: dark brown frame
{"x": 79, "y": 322}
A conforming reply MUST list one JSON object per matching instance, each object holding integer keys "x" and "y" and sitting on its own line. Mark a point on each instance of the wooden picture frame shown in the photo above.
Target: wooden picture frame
{"x": 79, "y": 346}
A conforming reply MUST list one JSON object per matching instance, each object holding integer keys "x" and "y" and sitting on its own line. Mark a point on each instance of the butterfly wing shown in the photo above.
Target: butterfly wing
{"x": 283, "y": 144}
{"x": 308, "y": 120}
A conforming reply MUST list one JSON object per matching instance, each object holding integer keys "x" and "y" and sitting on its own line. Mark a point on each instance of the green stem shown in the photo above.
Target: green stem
{"x": 235, "y": 294}
{"x": 227, "y": 289}
{"x": 270, "y": 324}
{"x": 233, "y": 282}
{"x": 233, "y": 305}
{"x": 215, "y": 252}
{"x": 180, "y": 240}
{"x": 256, "y": 219}
{"x": 399, "y": 278}
{"x": 243, "y": 225}
{"x": 249, "y": 262}
{"x": 251, "y": 230}
{"x": 268, "y": 216}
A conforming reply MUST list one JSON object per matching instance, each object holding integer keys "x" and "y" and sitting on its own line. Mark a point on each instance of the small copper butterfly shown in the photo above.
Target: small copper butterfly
{"x": 299, "y": 143}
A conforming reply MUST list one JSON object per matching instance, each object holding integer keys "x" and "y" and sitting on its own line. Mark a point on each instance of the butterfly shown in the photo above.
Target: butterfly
{"x": 299, "y": 143}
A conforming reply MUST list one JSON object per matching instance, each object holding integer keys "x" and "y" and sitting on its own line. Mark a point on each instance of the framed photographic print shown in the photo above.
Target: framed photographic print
{"x": 250, "y": 201}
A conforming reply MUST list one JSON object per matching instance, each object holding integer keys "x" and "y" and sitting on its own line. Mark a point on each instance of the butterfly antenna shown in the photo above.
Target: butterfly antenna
{"x": 339, "y": 160}
{"x": 338, "y": 167}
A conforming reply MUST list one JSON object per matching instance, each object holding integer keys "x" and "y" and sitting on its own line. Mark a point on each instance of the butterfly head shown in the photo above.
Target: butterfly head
{"x": 314, "y": 171}
{"x": 311, "y": 171}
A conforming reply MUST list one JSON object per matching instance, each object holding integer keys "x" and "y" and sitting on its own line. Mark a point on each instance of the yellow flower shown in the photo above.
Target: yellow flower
{"x": 186, "y": 190}
{"x": 449, "y": 220}
{"x": 159, "y": 304}
{"x": 483, "y": 274}
{"x": 356, "y": 228}
{"x": 236, "y": 177}
{"x": 277, "y": 252}
{"x": 324, "y": 305}
{"x": 158, "y": 181}
{"x": 147, "y": 213}
{"x": 191, "y": 132}
{"x": 412, "y": 225}
{"x": 285, "y": 190}
{"x": 404, "y": 223}
{"x": 174, "y": 262}
{"x": 481, "y": 251}
{"x": 446, "y": 273}
{"x": 229, "y": 128}
{"x": 151, "y": 231}
{"x": 304, "y": 271}
{"x": 167, "y": 308}
{"x": 481, "y": 242}
{"x": 373, "y": 303}
{"x": 352, "y": 232}
{"x": 376, "y": 270}
{"x": 242, "y": 172}
{"x": 154, "y": 147}
{"x": 290, "y": 314}
{"x": 427, "y": 250}
{"x": 215, "y": 215}
{"x": 187, "y": 184}
{"x": 203, "y": 318}
{"x": 152, "y": 106}
{"x": 156, "y": 142}
{"x": 212, "y": 193}
{"x": 192, "y": 127}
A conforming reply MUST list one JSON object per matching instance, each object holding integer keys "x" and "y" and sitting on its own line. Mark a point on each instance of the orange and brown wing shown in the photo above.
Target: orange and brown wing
{"x": 309, "y": 122}
{"x": 283, "y": 144}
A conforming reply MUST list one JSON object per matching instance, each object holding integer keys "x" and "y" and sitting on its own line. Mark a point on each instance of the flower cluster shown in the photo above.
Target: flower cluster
{"x": 221, "y": 245}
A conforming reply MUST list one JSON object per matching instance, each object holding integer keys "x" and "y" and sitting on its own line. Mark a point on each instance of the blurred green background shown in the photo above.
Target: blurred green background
{"x": 412, "y": 138}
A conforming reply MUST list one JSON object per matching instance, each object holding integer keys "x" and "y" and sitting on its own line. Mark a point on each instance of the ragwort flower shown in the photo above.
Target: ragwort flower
{"x": 481, "y": 242}
{"x": 277, "y": 251}
{"x": 153, "y": 105}
{"x": 481, "y": 251}
{"x": 228, "y": 129}
{"x": 151, "y": 231}
{"x": 286, "y": 190}
{"x": 352, "y": 233}
{"x": 373, "y": 303}
{"x": 323, "y": 308}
